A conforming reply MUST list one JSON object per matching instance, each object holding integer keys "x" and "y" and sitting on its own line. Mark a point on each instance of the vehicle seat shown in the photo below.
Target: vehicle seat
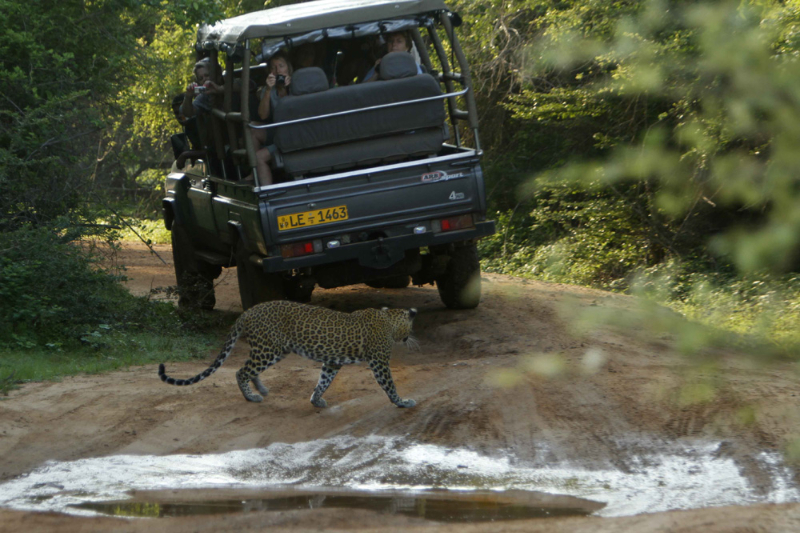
{"x": 397, "y": 65}
{"x": 308, "y": 80}
{"x": 369, "y": 137}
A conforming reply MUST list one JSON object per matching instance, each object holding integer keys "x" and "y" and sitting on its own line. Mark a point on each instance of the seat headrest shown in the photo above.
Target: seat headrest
{"x": 307, "y": 81}
{"x": 395, "y": 65}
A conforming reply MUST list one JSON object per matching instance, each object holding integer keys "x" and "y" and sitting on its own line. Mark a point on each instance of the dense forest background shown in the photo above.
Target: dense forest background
{"x": 641, "y": 146}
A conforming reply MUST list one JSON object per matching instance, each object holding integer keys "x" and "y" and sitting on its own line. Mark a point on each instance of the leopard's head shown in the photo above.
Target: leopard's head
{"x": 401, "y": 321}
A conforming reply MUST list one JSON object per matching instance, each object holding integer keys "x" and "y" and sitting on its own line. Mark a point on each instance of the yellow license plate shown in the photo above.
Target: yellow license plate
{"x": 312, "y": 218}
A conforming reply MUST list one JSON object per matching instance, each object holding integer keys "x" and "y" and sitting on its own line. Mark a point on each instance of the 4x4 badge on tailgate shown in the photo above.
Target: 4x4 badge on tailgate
{"x": 456, "y": 195}
{"x": 441, "y": 175}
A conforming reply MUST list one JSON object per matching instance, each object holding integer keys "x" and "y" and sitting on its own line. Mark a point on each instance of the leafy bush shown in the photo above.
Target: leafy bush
{"x": 573, "y": 235}
{"x": 54, "y": 291}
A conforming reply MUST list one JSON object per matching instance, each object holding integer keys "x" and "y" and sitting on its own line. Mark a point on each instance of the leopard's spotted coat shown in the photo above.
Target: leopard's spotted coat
{"x": 275, "y": 329}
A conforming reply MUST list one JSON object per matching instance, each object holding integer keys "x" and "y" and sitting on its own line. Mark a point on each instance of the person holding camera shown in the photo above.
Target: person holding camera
{"x": 197, "y": 98}
{"x": 278, "y": 81}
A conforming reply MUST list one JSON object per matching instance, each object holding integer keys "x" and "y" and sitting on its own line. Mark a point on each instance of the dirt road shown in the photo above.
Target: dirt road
{"x": 612, "y": 408}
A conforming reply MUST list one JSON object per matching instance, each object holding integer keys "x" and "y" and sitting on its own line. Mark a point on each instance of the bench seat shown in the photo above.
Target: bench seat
{"x": 413, "y": 130}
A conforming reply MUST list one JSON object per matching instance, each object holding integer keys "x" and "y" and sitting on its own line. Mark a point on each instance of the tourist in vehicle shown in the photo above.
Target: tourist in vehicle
{"x": 316, "y": 55}
{"x": 399, "y": 41}
{"x": 278, "y": 81}
{"x": 197, "y": 98}
{"x": 305, "y": 56}
{"x": 179, "y": 141}
{"x": 357, "y": 59}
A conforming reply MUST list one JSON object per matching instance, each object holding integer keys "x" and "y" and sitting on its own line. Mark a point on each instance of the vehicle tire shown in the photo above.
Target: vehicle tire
{"x": 195, "y": 277}
{"x": 255, "y": 285}
{"x": 392, "y": 282}
{"x": 460, "y": 285}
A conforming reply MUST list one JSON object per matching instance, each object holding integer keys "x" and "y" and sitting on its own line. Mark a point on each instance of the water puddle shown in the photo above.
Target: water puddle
{"x": 383, "y": 473}
{"x": 439, "y": 506}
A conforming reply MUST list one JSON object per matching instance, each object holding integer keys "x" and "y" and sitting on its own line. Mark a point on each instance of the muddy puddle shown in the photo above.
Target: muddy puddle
{"x": 394, "y": 475}
{"x": 439, "y": 506}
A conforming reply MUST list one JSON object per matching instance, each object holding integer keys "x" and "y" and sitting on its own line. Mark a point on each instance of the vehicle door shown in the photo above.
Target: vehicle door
{"x": 201, "y": 193}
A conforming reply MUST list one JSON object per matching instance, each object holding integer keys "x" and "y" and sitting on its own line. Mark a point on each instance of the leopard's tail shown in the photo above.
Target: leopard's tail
{"x": 233, "y": 336}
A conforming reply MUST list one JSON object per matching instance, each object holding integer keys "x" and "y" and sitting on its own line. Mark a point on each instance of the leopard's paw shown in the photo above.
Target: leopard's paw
{"x": 319, "y": 403}
{"x": 407, "y": 403}
{"x": 260, "y": 387}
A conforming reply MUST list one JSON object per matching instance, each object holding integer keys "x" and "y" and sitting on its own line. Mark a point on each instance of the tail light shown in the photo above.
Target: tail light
{"x": 297, "y": 249}
{"x": 455, "y": 223}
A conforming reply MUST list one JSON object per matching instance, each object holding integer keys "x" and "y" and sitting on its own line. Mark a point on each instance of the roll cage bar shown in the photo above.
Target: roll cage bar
{"x": 242, "y": 53}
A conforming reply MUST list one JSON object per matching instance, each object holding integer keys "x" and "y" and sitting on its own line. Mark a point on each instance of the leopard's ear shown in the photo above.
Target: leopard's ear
{"x": 384, "y": 309}
{"x": 412, "y": 312}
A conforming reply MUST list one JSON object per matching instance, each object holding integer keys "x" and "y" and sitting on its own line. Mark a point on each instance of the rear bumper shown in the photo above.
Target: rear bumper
{"x": 382, "y": 253}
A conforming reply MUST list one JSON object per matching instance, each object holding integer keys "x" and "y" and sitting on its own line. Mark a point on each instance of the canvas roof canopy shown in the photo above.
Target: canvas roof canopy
{"x": 304, "y": 18}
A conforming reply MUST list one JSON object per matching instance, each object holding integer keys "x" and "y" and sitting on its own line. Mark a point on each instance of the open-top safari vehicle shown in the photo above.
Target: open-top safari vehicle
{"x": 376, "y": 183}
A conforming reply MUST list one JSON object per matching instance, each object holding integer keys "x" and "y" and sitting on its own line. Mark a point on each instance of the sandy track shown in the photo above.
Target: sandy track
{"x": 602, "y": 419}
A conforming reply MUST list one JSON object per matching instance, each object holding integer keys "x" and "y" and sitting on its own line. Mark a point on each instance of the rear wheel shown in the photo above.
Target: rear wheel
{"x": 195, "y": 277}
{"x": 460, "y": 285}
{"x": 255, "y": 285}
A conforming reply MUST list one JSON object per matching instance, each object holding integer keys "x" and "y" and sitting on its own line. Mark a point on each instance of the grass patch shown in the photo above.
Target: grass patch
{"x": 105, "y": 350}
{"x": 759, "y": 311}
{"x": 63, "y": 312}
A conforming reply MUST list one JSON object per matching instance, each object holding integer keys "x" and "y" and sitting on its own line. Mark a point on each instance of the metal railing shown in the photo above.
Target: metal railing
{"x": 360, "y": 110}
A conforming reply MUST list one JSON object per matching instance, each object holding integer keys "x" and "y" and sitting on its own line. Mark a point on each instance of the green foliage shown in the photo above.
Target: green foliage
{"x": 149, "y": 231}
{"x": 61, "y": 313}
{"x": 762, "y": 307}
{"x": 84, "y": 117}
{"x": 111, "y": 348}
{"x": 531, "y": 122}
{"x": 85, "y": 98}
{"x": 52, "y": 72}
{"x": 65, "y": 83}
{"x": 162, "y": 73}
{"x": 661, "y": 137}
{"x": 53, "y": 290}
{"x": 574, "y": 235}
{"x": 718, "y": 84}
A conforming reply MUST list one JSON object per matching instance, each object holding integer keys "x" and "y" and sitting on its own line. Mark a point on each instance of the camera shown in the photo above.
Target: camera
{"x": 280, "y": 79}
{"x": 198, "y": 88}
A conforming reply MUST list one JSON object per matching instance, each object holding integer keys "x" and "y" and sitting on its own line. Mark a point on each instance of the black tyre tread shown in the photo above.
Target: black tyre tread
{"x": 256, "y": 286}
{"x": 195, "y": 278}
{"x": 459, "y": 287}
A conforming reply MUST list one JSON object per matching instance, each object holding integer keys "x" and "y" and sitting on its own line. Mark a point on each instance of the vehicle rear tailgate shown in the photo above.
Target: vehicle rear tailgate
{"x": 353, "y": 203}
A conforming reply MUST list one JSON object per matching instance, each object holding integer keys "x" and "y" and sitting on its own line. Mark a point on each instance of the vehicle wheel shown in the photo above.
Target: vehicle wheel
{"x": 255, "y": 285}
{"x": 393, "y": 282}
{"x": 460, "y": 285}
{"x": 195, "y": 277}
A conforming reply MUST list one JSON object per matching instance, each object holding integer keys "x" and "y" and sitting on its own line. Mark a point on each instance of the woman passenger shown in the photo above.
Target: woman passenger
{"x": 398, "y": 41}
{"x": 278, "y": 81}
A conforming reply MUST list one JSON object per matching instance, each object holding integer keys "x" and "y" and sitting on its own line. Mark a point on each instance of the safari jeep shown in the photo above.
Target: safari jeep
{"x": 377, "y": 183}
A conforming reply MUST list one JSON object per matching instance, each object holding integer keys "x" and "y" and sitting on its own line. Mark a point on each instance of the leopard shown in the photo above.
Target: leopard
{"x": 278, "y": 328}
